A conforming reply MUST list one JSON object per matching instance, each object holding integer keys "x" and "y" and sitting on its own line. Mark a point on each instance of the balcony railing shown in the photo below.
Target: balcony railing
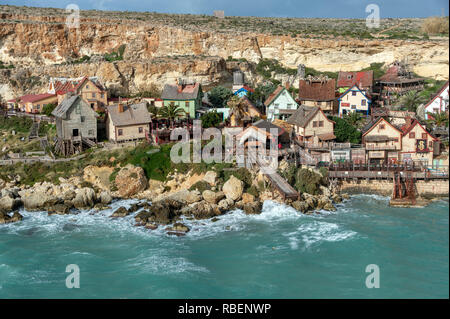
{"x": 382, "y": 148}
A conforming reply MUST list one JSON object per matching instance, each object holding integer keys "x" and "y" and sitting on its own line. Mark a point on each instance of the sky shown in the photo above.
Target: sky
{"x": 260, "y": 8}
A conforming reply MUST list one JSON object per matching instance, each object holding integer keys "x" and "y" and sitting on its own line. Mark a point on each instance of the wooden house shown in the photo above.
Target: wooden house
{"x": 76, "y": 123}
{"x": 127, "y": 122}
{"x": 382, "y": 141}
{"x": 439, "y": 103}
{"x": 363, "y": 79}
{"x": 280, "y": 104}
{"x": 89, "y": 88}
{"x": 354, "y": 100}
{"x": 311, "y": 125}
{"x": 243, "y": 91}
{"x": 418, "y": 145}
{"x": 262, "y": 134}
{"x": 187, "y": 96}
{"x": 397, "y": 81}
{"x": 318, "y": 92}
{"x": 33, "y": 103}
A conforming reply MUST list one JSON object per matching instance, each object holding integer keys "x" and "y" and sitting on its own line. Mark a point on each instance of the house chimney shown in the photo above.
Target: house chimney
{"x": 120, "y": 107}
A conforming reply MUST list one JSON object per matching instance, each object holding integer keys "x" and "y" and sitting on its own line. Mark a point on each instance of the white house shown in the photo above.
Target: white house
{"x": 280, "y": 105}
{"x": 354, "y": 100}
{"x": 439, "y": 103}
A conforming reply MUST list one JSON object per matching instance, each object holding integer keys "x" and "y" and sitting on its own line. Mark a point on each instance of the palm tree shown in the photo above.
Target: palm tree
{"x": 238, "y": 109}
{"x": 411, "y": 100}
{"x": 154, "y": 111}
{"x": 171, "y": 112}
{"x": 438, "y": 119}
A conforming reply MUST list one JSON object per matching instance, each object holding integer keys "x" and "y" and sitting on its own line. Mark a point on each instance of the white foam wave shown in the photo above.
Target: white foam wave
{"x": 316, "y": 232}
{"x": 236, "y": 220}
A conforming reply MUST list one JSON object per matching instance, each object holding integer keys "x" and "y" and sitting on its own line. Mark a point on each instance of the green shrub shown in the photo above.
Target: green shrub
{"x": 19, "y": 124}
{"x": 253, "y": 190}
{"x": 201, "y": 186}
{"x": 308, "y": 182}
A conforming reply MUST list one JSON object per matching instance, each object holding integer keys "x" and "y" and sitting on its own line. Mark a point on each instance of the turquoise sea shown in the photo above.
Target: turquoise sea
{"x": 278, "y": 254}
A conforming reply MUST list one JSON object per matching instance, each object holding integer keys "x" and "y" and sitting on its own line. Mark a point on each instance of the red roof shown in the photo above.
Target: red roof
{"x": 249, "y": 89}
{"x": 362, "y": 79}
{"x": 407, "y": 128}
{"x": 31, "y": 98}
{"x": 72, "y": 86}
{"x": 274, "y": 94}
{"x": 317, "y": 90}
{"x": 445, "y": 86}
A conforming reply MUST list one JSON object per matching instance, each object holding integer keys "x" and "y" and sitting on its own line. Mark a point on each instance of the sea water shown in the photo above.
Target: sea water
{"x": 277, "y": 254}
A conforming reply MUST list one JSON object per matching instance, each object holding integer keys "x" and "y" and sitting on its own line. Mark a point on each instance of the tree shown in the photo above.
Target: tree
{"x": 154, "y": 111}
{"x": 354, "y": 119}
{"x": 438, "y": 119}
{"x": 237, "y": 110}
{"x": 345, "y": 132}
{"x": 262, "y": 92}
{"x": 219, "y": 96}
{"x": 411, "y": 100}
{"x": 211, "y": 119}
{"x": 48, "y": 108}
{"x": 171, "y": 112}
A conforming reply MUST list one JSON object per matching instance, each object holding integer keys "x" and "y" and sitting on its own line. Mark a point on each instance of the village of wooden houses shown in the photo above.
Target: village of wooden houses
{"x": 357, "y": 126}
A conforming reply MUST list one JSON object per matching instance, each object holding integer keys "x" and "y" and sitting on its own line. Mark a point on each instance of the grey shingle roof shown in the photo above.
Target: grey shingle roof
{"x": 303, "y": 115}
{"x": 131, "y": 115}
{"x": 189, "y": 92}
{"x": 267, "y": 126}
{"x": 61, "y": 110}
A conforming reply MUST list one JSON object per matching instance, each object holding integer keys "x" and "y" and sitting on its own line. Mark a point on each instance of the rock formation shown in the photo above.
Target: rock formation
{"x": 156, "y": 53}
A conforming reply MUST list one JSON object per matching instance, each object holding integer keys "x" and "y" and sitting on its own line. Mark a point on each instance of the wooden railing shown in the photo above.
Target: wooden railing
{"x": 382, "y": 148}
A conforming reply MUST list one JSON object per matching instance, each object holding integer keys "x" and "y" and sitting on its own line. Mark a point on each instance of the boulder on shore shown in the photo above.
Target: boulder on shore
{"x": 59, "y": 209}
{"x": 120, "y": 212}
{"x": 9, "y": 203}
{"x": 142, "y": 217}
{"x": 165, "y": 211}
{"x": 98, "y": 176}
{"x": 211, "y": 178}
{"x": 178, "y": 227}
{"x": 130, "y": 180}
{"x": 212, "y": 197}
{"x": 202, "y": 210}
{"x": 105, "y": 198}
{"x": 248, "y": 198}
{"x": 226, "y": 204}
{"x": 6, "y": 218}
{"x": 253, "y": 208}
{"x": 193, "y": 197}
{"x": 233, "y": 188}
{"x": 84, "y": 198}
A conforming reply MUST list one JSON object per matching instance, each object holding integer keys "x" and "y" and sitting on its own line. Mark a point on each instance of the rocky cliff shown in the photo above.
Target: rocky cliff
{"x": 41, "y": 46}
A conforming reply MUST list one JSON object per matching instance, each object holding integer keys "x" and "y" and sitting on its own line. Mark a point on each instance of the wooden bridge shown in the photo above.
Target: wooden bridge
{"x": 283, "y": 187}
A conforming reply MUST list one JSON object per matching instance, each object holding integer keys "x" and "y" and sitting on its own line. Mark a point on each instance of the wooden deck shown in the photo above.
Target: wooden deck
{"x": 350, "y": 171}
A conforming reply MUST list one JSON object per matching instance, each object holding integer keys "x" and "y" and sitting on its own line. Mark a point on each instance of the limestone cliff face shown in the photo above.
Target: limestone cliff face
{"x": 155, "y": 53}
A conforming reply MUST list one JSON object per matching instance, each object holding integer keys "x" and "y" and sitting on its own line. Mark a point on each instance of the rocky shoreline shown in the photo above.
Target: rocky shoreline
{"x": 160, "y": 204}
